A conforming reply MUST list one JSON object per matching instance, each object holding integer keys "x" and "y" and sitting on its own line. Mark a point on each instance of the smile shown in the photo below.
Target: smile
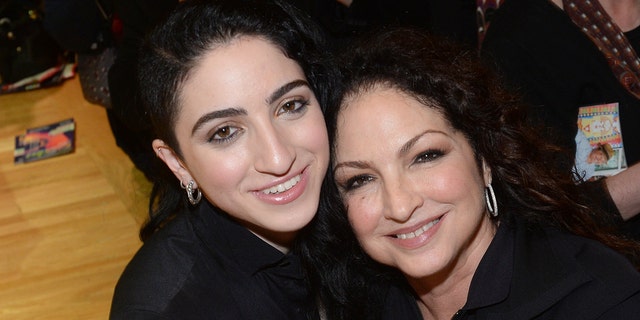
{"x": 419, "y": 231}
{"x": 283, "y": 186}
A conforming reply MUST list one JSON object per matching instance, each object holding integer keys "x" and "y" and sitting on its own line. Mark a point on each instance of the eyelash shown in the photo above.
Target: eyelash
{"x": 233, "y": 132}
{"x": 303, "y": 103}
{"x": 358, "y": 181}
{"x": 429, "y": 155}
{"x": 349, "y": 185}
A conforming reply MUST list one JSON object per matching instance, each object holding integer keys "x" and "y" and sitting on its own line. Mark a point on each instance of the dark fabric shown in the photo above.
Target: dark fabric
{"x": 93, "y": 69}
{"x": 400, "y": 305}
{"x": 543, "y": 55}
{"x": 454, "y": 19}
{"x": 546, "y": 274}
{"x": 81, "y": 26}
{"x": 203, "y": 265}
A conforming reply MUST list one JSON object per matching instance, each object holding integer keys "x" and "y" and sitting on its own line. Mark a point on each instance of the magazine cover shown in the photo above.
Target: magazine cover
{"x": 45, "y": 142}
{"x": 599, "y": 145}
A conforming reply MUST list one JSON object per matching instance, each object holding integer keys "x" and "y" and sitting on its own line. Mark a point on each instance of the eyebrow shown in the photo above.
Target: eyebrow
{"x": 232, "y": 112}
{"x": 352, "y": 164}
{"x": 286, "y": 88}
{"x": 404, "y": 149}
{"x": 224, "y": 113}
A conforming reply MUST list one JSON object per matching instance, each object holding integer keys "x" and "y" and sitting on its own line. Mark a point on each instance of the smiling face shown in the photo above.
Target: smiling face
{"x": 252, "y": 137}
{"x": 411, "y": 183}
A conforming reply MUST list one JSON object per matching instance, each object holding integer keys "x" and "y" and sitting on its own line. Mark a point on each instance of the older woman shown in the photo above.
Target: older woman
{"x": 442, "y": 182}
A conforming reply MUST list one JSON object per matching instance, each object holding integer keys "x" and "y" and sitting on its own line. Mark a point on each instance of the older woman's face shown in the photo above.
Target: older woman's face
{"x": 411, "y": 184}
{"x": 253, "y": 137}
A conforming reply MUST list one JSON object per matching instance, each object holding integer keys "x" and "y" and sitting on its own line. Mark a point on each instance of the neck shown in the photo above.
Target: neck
{"x": 624, "y": 13}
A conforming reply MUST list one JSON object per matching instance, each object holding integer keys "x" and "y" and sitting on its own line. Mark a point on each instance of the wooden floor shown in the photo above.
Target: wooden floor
{"x": 68, "y": 225}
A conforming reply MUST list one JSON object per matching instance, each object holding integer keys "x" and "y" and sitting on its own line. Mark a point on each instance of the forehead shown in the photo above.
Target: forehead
{"x": 382, "y": 121}
{"x": 388, "y": 106}
{"x": 237, "y": 74}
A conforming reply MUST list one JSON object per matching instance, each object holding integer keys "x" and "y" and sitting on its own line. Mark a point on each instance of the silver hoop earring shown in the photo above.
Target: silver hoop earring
{"x": 190, "y": 191}
{"x": 490, "y": 197}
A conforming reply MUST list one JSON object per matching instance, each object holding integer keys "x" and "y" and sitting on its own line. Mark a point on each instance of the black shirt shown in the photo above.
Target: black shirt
{"x": 203, "y": 265}
{"x": 538, "y": 273}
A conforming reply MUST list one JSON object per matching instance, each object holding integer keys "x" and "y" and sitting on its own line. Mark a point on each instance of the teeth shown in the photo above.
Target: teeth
{"x": 283, "y": 186}
{"x": 417, "y": 232}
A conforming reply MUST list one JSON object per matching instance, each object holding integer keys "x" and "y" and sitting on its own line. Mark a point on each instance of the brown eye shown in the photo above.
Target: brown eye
{"x": 289, "y": 106}
{"x": 223, "y": 134}
{"x": 293, "y": 106}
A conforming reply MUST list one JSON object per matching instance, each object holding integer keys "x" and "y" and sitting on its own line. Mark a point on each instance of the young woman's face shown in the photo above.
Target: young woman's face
{"x": 414, "y": 192}
{"x": 253, "y": 137}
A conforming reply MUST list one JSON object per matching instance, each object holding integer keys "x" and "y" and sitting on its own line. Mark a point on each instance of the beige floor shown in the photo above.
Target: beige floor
{"x": 68, "y": 225}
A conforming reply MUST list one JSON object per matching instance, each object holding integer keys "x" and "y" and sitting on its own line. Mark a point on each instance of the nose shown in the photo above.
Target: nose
{"x": 401, "y": 199}
{"x": 274, "y": 153}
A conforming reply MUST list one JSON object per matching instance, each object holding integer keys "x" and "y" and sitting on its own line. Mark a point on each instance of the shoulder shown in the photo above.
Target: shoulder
{"x": 603, "y": 277}
{"x": 158, "y": 270}
{"x": 588, "y": 253}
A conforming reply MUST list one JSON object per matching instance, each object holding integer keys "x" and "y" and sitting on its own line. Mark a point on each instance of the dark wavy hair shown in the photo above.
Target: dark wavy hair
{"x": 177, "y": 45}
{"x": 471, "y": 98}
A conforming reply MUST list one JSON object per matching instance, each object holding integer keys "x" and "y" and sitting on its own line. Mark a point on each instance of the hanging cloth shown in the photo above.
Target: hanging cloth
{"x": 594, "y": 21}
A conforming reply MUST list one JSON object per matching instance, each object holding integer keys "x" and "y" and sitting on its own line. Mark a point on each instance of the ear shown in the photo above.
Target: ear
{"x": 171, "y": 159}
{"x": 486, "y": 173}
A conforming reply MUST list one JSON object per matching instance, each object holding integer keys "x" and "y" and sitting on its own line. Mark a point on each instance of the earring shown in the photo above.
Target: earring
{"x": 490, "y": 197}
{"x": 190, "y": 190}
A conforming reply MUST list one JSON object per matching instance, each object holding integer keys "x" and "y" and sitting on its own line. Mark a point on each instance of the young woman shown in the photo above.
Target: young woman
{"x": 234, "y": 90}
{"x": 442, "y": 182}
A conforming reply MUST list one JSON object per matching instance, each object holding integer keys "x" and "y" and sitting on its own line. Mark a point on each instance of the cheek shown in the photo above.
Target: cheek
{"x": 455, "y": 182}
{"x": 313, "y": 134}
{"x": 447, "y": 188}
{"x": 362, "y": 217}
{"x": 465, "y": 193}
{"x": 221, "y": 173}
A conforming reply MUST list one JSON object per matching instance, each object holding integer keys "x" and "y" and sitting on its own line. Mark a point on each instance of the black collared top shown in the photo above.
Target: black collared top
{"x": 204, "y": 265}
{"x": 547, "y": 274}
